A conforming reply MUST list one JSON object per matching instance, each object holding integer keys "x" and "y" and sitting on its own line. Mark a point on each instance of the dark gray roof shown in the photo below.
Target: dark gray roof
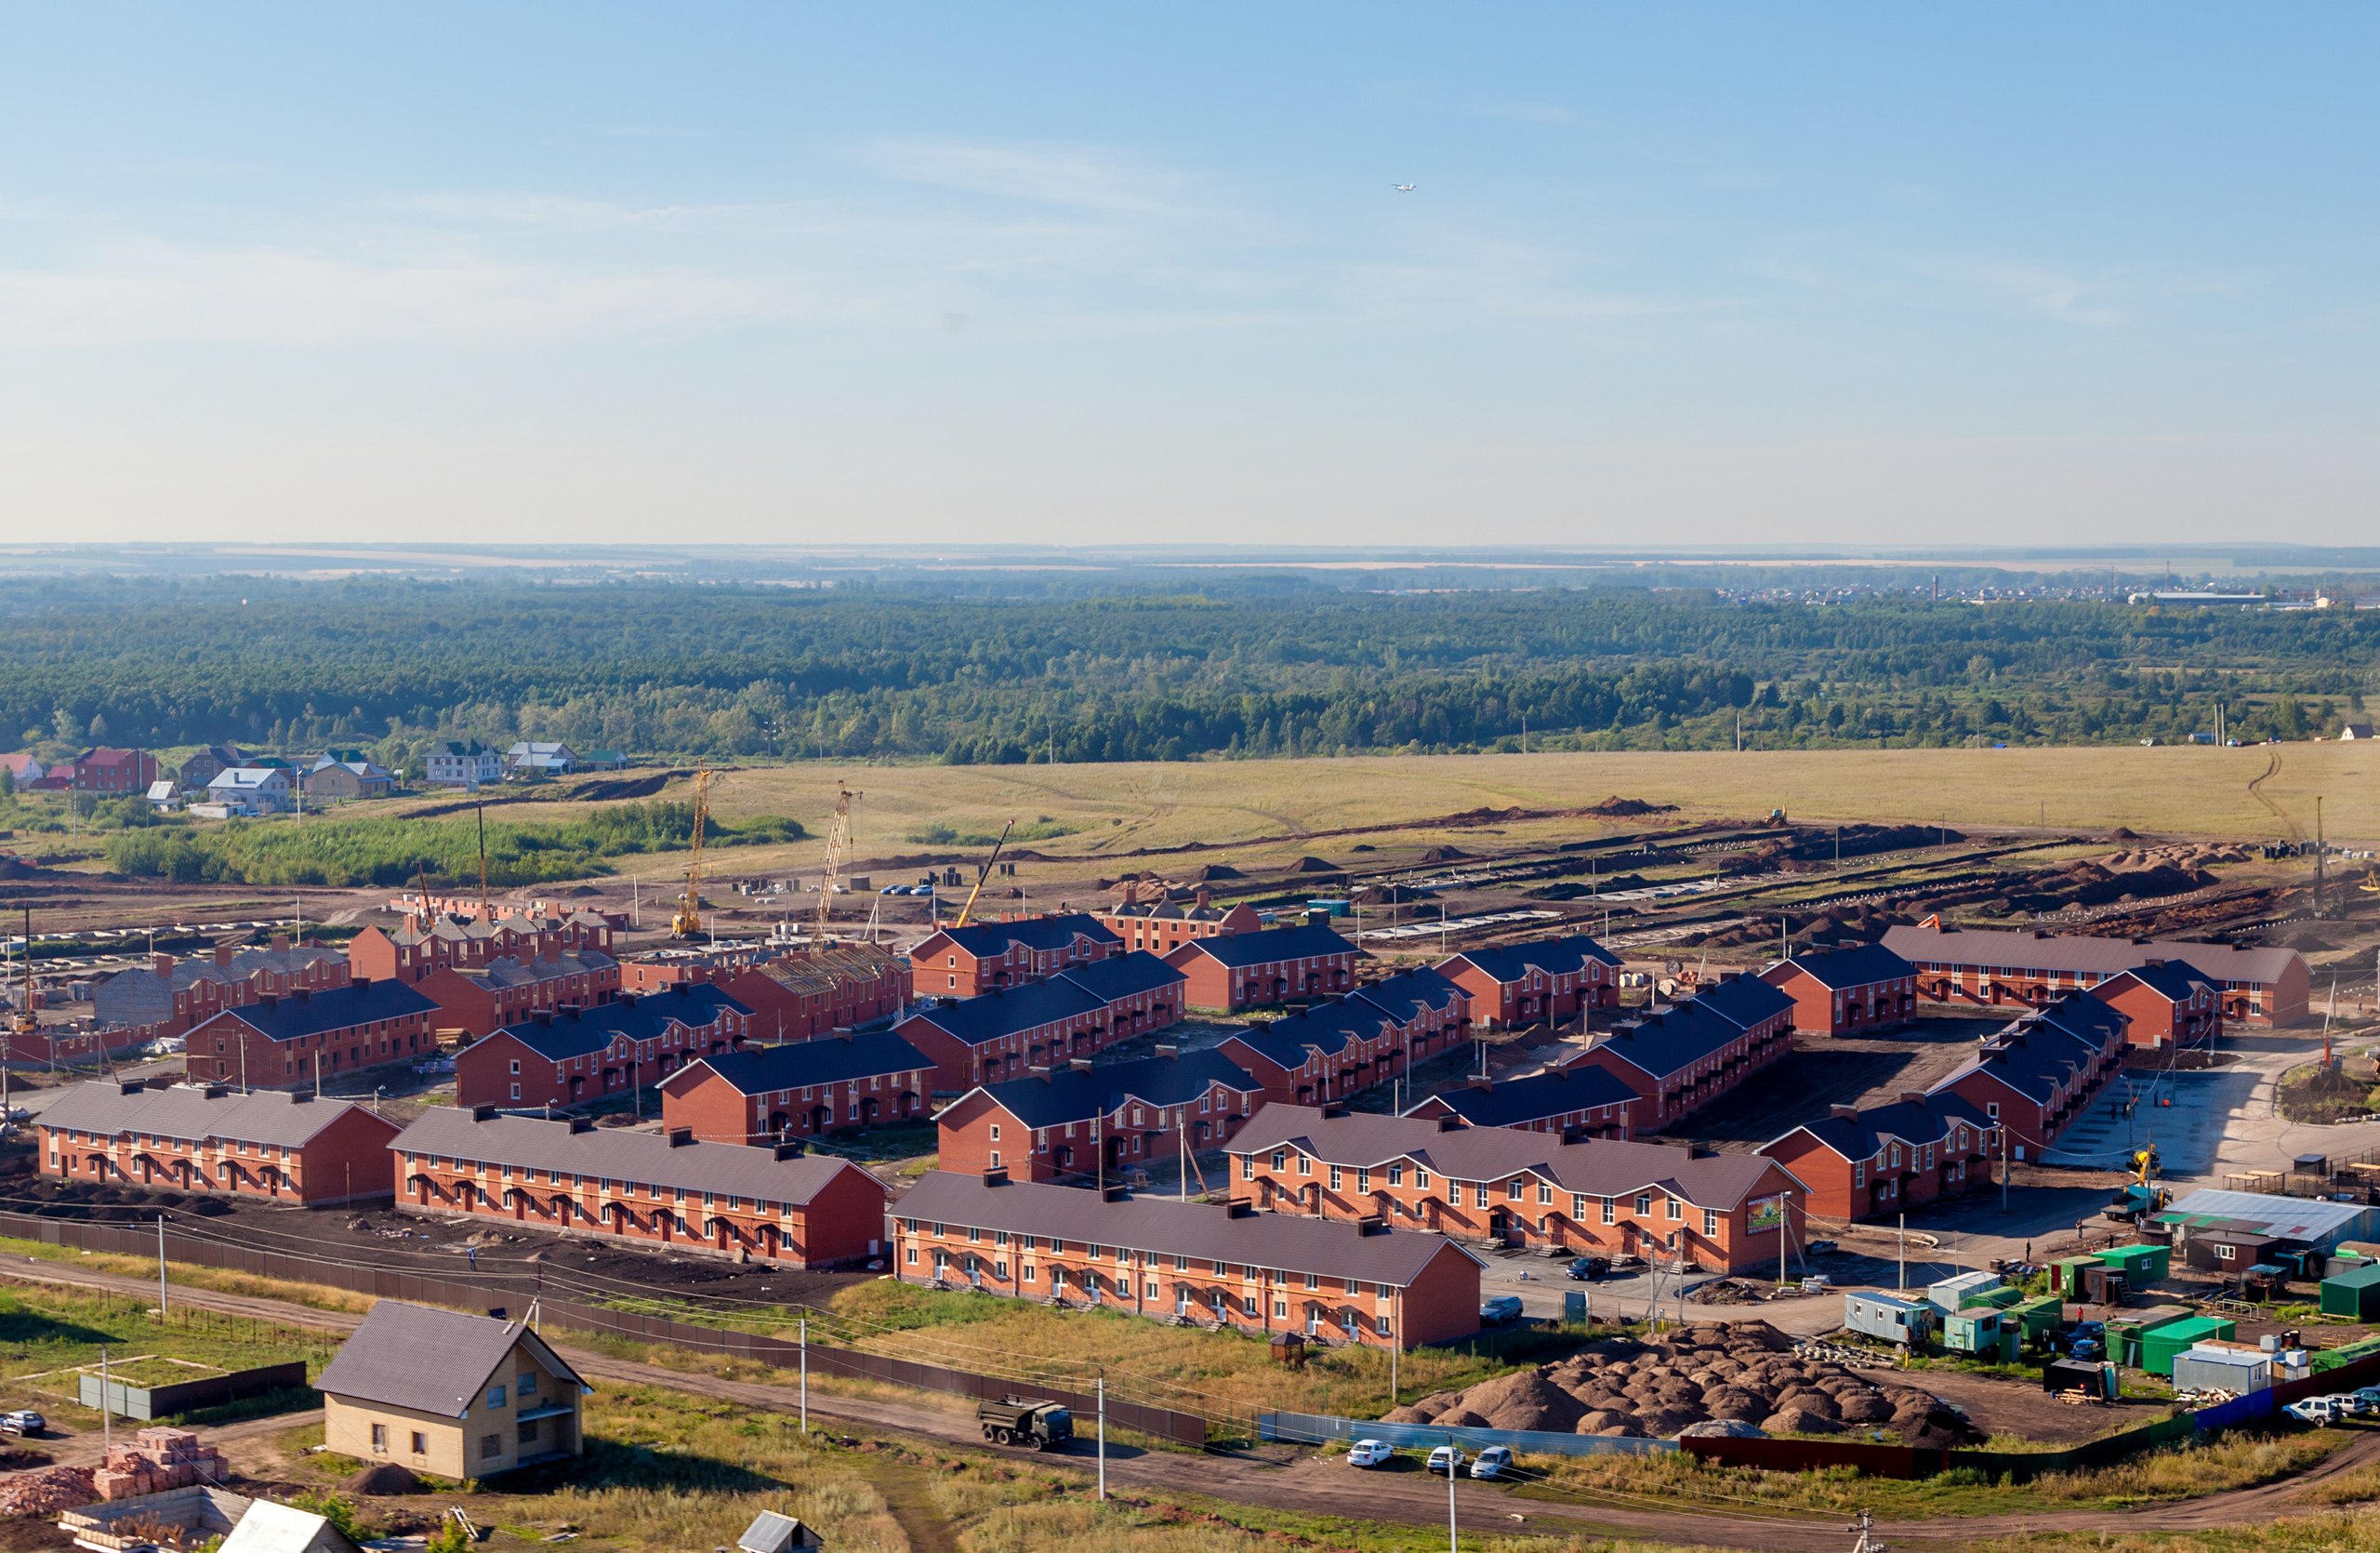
{"x": 333, "y": 1008}
{"x": 1407, "y": 996}
{"x": 1565, "y": 956}
{"x": 1915, "y": 1122}
{"x": 425, "y": 1359}
{"x": 2002, "y": 949}
{"x": 2174, "y": 979}
{"x": 1167, "y": 1227}
{"x": 1077, "y": 1095}
{"x": 1857, "y": 965}
{"x": 581, "y": 1032}
{"x": 511, "y": 970}
{"x": 1329, "y": 1028}
{"x": 1598, "y": 1167}
{"x": 1008, "y": 1011}
{"x": 1672, "y": 1040}
{"x": 1742, "y": 1001}
{"x": 1517, "y": 1102}
{"x": 618, "y": 1154}
{"x": 188, "y": 1114}
{"x": 1122, "y": 975}
{"x": 989, "y": 940}
{"x": 799, "y": 1065}
{"x": 1236, "y": 949}
{"x": 2038, "y": 1052}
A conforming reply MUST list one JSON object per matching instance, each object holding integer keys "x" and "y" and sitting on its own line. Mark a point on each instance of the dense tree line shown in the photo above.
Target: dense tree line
{"x": 1269, "y": 667}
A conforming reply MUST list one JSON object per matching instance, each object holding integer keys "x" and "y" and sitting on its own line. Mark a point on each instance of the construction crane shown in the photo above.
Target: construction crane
{"x": 687, "y": 921}
{"x": 23, "y": 1023}
{"x": 839, "y": 840}
{"x": 982, "y": 873}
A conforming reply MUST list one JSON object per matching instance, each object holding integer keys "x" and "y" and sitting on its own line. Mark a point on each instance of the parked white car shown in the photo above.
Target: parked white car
{"x": 1496, "y": 1461}
{"x": 1369, "y": 1452}
{"x": 1447, "y": 1458}
{"x": 2321, "y": 1411}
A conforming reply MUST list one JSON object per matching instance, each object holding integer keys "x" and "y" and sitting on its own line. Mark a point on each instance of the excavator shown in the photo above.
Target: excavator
{"x": 687, "y": 922}
{"x": 2142, "y": 1195}
{"x": 982, "y": 873}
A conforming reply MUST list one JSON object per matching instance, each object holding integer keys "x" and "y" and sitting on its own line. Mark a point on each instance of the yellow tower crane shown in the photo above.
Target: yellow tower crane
{"x": 982, "y": 873}
{"x": 687, "y": 921}
{"x": 838, "y": 841}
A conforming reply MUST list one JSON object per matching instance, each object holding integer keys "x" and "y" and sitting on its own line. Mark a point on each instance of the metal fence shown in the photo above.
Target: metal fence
{"x": 1316, "y": 1429}
{"x": 1170, "y": 1425}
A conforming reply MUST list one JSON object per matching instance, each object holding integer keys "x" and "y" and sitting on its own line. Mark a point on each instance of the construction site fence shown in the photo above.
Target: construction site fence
{"x": 1170, "y": 1425}
{"x": 2256, "y": 1406}
{"x": 1316, "y": 1429}
{"x": 149, "y": 1403}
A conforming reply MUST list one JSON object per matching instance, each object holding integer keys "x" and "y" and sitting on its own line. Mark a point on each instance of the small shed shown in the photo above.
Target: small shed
{"x": 2078, "y": 1374}
{"x": 2065, "y": 1276}
{"x": 1896, "y": 1321}
{"x": 2159, "y": 1349}
{"x": 772, "y": 1532}
{"x": 1981, "y": 1331}
{"x": 2141, "y": 1263}
{"x": 2207, "y": 1369}
{"x": 2229, "y": 1251}
{"x": 2103, "y": 1285}
{"x": 2353, "y": 1292}
{"x": 1953, "y": 1293}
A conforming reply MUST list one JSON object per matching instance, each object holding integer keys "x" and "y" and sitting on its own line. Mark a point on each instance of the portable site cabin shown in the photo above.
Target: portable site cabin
{"x": 1953, "y": 1294}
{"x": 2159, "y": 1349}
{"x": 2077, "y": 1374}
{"x": 2204, "y": 1369}
{"x": 2066, "y": 1277}
{"x": 2126, "y": 1337}
{"x": 1898, "y": 1322}
{"x": 1981, "y": 1331}
{"x": 2353, "y": 1292}
{"x": 2038, "y": 1318}
{"x": 2141, "y": 1264}
{"x": 2005, "y": 1297}
{"x": 2228, "y": 1251}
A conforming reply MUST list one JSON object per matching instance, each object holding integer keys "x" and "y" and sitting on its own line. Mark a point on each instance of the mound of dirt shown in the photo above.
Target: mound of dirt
{"x": 1526, "y": 1400}
{"x": 1445, "y": 855}
{"x": 1213, "y": 871}
{"x": 1617, "y": 808}
{"x": 1311, "y": 864}
{"x": 387, "y": 1478}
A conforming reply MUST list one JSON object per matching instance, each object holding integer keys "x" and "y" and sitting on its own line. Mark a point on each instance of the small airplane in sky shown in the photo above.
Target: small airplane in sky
{"x": 1407, "y": 188}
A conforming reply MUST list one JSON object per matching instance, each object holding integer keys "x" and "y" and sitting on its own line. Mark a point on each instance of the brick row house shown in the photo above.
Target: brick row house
{"x": 1992, "y": 967}
{"x": 1083, "y": 1120}
{"x": 1335, "y": 1049}
{"x": 105, "y": 772}
{"x": 1239, "y": 971}
{"x": 412, "y": 950}
{"x": 1682, "y": 1057}
{"x": 984, "y": 957}
{"x": 568, "y": 1057}
{"x": 801, "y": 1089}
{"x": 168, "y": 997}
{"x": 1721, "y": 1213}
{"x": 2036, "y": 1075}
{"x": 1216, "y": 1265}
{"x": 282, "y": 1042}
{"x": 1892, "y": 1158}
{"x": 774, "y": 1204}
{"x": 481, "y": 999}
{"x": 795, "y": 997}
{"x": 1513, "y": 985}
{"x": 1844, "y": 992}
{"x": 1575, "y": 1102}
{"x": 281, "y": 1146}
{"x": 2169, "y": 1003}
{"x": 1078, "y": 1013}
{"x": 1161, "y": 926}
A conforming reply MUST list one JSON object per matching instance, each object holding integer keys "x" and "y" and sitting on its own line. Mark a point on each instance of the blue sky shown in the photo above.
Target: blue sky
{"x": 776, "y": 273}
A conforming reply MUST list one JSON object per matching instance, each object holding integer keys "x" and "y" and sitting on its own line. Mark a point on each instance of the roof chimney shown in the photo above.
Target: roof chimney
{"x": 280, "y": 942}
{"x": 1167, "y": 1049}
{"x": 483, "y": 1113}
{"x": 300, "y": 1097}
{"x": 1116, "y": 1194}
{"x": 582, "y": 1124}
{"x": 1845, "y": 1113}
{"x": 681, "y": 1137}
{"x": 1239, "y": 1207}
{"x": 161, "y": 965}
{"x": 1371, "y": 1224}
{"x": 127, "y": 1086}
{"x": 996, "y": 1176}
{"x": 791, "y": 1148}
{"x": 1913, "y": 1097}
{"x": 1331, "y": 1109}
{"x": 1450, "y": 1122}
{"x": 214, "y": 1092}
{"x": 223, "y": 953}
{"x": 1080, "y": 1064}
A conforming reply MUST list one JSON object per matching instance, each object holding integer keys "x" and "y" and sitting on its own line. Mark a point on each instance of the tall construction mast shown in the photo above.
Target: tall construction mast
{"x": 839, "y": 840}
{"x": 688, "y": 921}
{"x": 968, "y": 910}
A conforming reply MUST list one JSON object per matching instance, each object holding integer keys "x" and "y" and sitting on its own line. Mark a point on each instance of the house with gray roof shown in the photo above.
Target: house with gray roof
{"x": 453, "y": 1394}
{"x": 283, "y": 1146}
{"x": 1089, "y": 1118}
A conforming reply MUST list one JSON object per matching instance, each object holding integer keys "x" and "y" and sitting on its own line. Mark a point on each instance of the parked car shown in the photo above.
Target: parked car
{"x": 23, "y": 1421}
{"x": 2321, "y": 1411}
{"x": 2352, "y": 1404}
{"x": 1369, "y": 1452}
{"x": 1586, "y": 1269}
{"x": 1499, "y": 1310}
{"x": 1447, "y": 1458}
{"x": 1496, "y": 1461}
{"x": 2368, "y": 1395}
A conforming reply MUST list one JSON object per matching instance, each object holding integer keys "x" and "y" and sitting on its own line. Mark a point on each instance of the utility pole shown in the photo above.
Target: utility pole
{"x": 805, "y": 1374}
{"x": 107, "y": 1411}
{"x": 1103, "y": 1437}
{"x": 164, "y": 1306}
{"x": 1904, "y": 1251}
{"x": 1454, "y": 1454}
{"x": 2320, "y": 858}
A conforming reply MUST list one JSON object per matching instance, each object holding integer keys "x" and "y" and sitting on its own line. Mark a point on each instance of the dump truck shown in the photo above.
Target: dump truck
{"x": 1031, "y": 1421}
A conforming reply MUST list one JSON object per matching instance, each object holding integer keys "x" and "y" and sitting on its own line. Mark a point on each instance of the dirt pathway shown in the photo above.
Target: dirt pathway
{"x": 1320, "y": 1484}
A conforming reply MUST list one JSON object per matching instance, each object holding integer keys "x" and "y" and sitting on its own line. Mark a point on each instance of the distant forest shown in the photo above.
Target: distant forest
{"x": 1252, "y": 667}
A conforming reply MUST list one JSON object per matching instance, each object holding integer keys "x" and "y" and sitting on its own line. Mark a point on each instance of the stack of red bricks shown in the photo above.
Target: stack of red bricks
{"x": 157, "y": 1460}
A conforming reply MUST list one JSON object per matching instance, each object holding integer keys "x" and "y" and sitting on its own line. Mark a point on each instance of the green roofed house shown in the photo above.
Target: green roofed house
{"x": 2353, "y": 1292}
{"x": 2141, "y": 1264}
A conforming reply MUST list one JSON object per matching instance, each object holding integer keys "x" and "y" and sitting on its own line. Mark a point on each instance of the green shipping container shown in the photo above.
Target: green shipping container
{"x": 2141, "y": 1263}
{"x": 2158, "y": 1348}
{"x": 2066, "y": 1277}
{"x": 2354, "y": 1293}
{"x": 2003, "y": 1298}
{"x": 2125, "y": 1338}
{"x": 2039, "y": 1316}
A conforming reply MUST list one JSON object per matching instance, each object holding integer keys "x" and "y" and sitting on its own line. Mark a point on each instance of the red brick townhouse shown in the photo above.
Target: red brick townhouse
{"x": 1890, "y": 1158}
{"x": 802, "y": 1089}
{"x": 1162, "y": 926}
{"x": 1066, "y": 1121}
{"x": 1427, "y": 1009}
{"x": 998, "y": 1035}
{"x": 1575, "y": 1102}
{"x": 2039, "y": 1074}
{"x": 1718, "y": 1211}
{"x": 798, "y": 996}
{"x": 1844, "y": 992}
{"x": 1326, "y": 1053}
{"x": 1277, "y": 965}
{"x": 190, "y": 1138}
{"x": 1684, "y": 1056}
{"x": 981, "y": 957}
{"x": 114, "y": 773}
{"x": 412, "y": 950}
{"x": 1140, "y": 993}
{"x": 1190, "y": 1263}
{"x": 481, "y": 999}
{"x": 564, "y": 1056}
{"x": 2169, "y": 1003}
{"x": 1528, "y": 984}
{"x": 285, "y": 1042}
{"x": 167, "y": 996}
{"x": 1992, "y": 966}
{"x": 779, "y": 1204}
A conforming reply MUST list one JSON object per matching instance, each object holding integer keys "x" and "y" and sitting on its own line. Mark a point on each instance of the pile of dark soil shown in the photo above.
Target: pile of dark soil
{"x": 1445, "y": 855}
{"x": 1617, "y": 808}
{"x": 1311, "y": 864}
{"x": 384, "y": 1480}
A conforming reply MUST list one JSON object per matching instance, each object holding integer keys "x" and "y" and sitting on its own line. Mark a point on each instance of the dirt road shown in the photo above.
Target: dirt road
{"x": 1321, "y": 1484}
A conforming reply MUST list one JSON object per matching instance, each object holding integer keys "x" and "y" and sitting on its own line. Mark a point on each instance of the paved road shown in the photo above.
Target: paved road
{"x": 1318, "y": 1483}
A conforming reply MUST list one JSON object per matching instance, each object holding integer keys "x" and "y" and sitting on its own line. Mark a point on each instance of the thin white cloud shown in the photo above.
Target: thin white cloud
{"x": 1084, "y": 177}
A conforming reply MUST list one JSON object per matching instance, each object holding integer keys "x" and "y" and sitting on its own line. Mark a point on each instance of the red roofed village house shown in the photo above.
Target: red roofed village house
{"x": 569, "y": 1056}
{"x": 1277, "y": 965}
{"x": 1991, "y": 967}
{"x": 1528, "y": 984}
{"x": 1844, "y": 992}
{"x": 776, "y": 1204}
{"x": 413, "y": 951}
{"x": 1717, "y": 1212}
{"x": 1892, "y": 1158}
{"x": 114, "y": 773}
{"x": 968, "y": 962}
{"x": 1192, "y": 1264}
{"x": 798, "y": 996}
{"x": 804, "y": 1089}
{"x": 188, "y": 1138}
{"x": 1575, "y": 1102}
{"x": 480, "y": 1000}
